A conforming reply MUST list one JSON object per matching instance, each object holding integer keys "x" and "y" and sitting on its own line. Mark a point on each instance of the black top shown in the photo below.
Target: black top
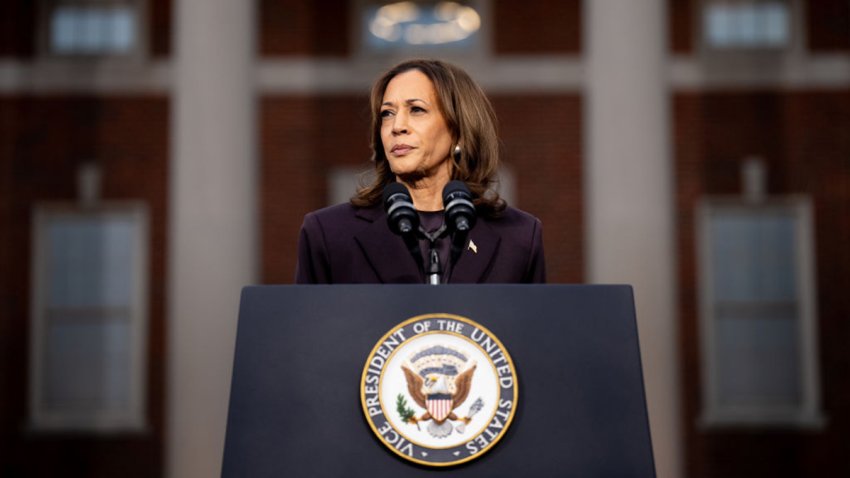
{"x": 431, "y": 221}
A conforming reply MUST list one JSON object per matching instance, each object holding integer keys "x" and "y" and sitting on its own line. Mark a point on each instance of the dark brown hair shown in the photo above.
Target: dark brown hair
{"x": 471, "y": 121}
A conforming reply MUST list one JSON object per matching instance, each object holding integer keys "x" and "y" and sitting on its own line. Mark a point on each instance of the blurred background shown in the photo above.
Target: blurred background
{"x": 157, "y": 155}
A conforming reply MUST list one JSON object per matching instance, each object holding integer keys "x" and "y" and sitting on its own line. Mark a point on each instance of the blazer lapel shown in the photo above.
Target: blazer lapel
{"x": 476, "y": 259}
{"x": 385, "y": 251}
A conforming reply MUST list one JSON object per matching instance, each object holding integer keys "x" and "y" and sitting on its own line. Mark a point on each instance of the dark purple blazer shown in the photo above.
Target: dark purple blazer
{"x": 344, "y": 244}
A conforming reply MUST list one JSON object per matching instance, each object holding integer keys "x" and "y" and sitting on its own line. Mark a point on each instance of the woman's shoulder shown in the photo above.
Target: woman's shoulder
{"x": 513, "y": 217}
{"x": 346, "y": 209}
{"x": 340, "y": 216}
{"x": 335, "y": 212}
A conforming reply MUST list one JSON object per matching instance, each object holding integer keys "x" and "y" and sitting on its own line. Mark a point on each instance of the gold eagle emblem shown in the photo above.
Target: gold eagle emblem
{"x": 439, "y": 379}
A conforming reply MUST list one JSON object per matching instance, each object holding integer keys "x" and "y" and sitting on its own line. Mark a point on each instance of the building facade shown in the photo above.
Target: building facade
{"x": 698, "y": 149}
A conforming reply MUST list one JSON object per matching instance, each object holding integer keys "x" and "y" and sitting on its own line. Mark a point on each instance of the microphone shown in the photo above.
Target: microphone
{"x": 401, "y": 216}
{"x": 460, "y": 212}
{"x": 459, "y": 215}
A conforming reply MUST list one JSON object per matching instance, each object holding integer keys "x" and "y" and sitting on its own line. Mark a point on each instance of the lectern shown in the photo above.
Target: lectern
{"x": 302, "y": 358}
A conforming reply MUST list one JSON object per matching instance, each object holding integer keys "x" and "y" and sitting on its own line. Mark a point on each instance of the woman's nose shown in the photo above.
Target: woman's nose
{"x": 400, "y": 123}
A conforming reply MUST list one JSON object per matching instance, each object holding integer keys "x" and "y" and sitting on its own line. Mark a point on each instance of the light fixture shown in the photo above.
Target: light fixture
{"x": 444, "y": 22}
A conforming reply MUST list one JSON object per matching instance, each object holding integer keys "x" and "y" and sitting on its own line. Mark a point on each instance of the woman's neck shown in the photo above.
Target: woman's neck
{"x": 427, "y": 194}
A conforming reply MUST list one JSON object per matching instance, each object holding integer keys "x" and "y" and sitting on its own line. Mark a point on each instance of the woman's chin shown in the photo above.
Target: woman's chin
{"x": 410, "y": 177}
{"x": 414, "y": 173}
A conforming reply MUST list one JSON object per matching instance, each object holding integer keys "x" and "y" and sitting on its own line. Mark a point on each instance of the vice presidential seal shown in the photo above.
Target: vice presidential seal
{"x": 439, "y": 389}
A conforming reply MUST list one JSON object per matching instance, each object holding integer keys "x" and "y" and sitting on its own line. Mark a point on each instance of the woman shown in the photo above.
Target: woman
{"x": 431, "y": 123}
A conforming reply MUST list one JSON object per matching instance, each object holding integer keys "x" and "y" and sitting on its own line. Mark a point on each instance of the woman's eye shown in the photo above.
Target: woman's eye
{"x": 386, "y": 113}
{"x": 417, "y": 109}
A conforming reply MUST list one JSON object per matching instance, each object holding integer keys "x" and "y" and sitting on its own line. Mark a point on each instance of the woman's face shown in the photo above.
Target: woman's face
{"x": 415, "y": 137}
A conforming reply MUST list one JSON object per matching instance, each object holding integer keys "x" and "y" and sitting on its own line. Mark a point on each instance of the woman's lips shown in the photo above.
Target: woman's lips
{"x": 401, "y": 149}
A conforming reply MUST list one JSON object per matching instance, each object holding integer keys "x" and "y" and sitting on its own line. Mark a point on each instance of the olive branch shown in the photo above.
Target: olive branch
{"x": 407, "y": 414}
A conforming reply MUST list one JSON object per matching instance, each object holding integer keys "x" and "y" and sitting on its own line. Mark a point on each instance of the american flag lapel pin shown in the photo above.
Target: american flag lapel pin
{"x": 473, "y": 247}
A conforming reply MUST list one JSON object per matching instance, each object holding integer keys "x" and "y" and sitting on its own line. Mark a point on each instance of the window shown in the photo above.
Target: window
{"x": 746, "y": 24}
{"x": 92, "y": 28}
{"x": 419, "y": 27}
{"x": 758, "y": 318}
{"x": 89, "y": 318}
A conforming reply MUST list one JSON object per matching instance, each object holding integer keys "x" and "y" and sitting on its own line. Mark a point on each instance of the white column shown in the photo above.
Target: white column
{"x": 212, "y": 223}
{"x": 629, "y": 200}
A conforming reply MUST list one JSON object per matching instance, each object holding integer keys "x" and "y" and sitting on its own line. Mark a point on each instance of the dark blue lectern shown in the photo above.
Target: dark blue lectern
{"x": 295, "y": 403}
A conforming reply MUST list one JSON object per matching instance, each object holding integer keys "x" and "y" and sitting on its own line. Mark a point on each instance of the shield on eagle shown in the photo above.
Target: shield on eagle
{"x": 439, "y": 405}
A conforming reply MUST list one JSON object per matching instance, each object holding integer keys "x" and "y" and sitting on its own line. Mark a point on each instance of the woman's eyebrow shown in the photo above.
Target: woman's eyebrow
{"x": 408, "y": 101}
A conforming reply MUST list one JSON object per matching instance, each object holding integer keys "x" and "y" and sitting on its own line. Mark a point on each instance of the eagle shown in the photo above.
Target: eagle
{"x": 437, "y": 384}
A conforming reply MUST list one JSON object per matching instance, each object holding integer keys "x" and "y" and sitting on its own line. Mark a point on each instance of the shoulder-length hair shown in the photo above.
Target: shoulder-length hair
{"x": 471, "y": 122}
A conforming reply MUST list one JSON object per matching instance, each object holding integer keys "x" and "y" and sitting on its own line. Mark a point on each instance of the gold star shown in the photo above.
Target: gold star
{"x": 473, "y": 247}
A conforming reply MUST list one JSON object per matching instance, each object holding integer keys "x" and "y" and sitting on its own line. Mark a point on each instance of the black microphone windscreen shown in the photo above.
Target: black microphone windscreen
{"x": 460, "y": 210}
{"x": 455, "y": 186}
{"x": 394, "y": 188}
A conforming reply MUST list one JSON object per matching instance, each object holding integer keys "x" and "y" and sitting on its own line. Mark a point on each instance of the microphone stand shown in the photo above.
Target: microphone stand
{"x": 434, "y": 273}
{"x": 434, "y": 267}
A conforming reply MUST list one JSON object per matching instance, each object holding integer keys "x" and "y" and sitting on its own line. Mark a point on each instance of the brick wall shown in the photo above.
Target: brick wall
{"x": 160, "y": 21}
{"x": 537, "y": 27}
{"x": 805, "y": 139}
{"x": 542, "y": 138}
{"x": 828, "y": 26}
{"x": 304, "y": 27}
{"x": 301, "y": 138}
{"x": 680, "y": 19}
{"x": 17, "y": 21}
{"x": 43, "y": 141}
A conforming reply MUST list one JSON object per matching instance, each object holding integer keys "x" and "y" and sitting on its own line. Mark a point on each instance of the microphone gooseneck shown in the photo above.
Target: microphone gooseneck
{"x": 434, "y": 270}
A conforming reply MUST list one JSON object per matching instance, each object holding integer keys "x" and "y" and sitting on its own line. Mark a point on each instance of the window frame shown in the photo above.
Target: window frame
{"x": 134, "y": 420}
{"x": 139, "y": 53}
{"x": 808, "y": 414}
{"x": 759, "y": 57}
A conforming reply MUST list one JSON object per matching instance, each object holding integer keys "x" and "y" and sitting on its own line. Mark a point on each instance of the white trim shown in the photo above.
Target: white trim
{"x": 134, "y": 418}
{"x": 67, "y": 75}
{"x": 809, "y": 413}
{"x": 506, "y": 74}
{"x": 791, "y": 72}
